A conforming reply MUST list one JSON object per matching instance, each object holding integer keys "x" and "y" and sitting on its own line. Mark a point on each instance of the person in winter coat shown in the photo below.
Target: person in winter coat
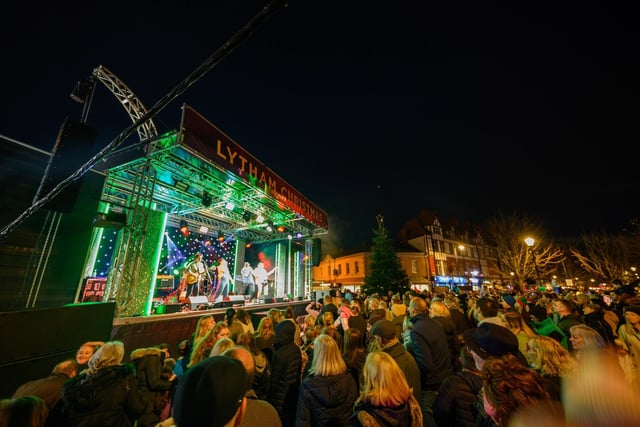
{"x": 431, "y": 351}
{"x": 105, "y": 394}
{"x": 327, "y": 395}
{"x": 386, "y": 399}
{"x": 149, "y": 364}
{"x": 286, "y": 373}
{"x": 384, "y": 338}
{"x": 454, "y": 404}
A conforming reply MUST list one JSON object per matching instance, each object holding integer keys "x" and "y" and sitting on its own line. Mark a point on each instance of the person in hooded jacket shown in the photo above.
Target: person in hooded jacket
{"x": 286, "y": 373}
{"x": 105, "y": 393}
{"x": 149, "y": 364}
{"x": 327, "y": 395}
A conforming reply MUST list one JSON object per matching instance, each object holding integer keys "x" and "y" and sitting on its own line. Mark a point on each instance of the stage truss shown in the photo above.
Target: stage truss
{"x": 182, "y": 182}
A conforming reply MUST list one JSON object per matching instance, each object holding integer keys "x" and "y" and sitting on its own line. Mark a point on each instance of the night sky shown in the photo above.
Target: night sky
{"x": 466, "y": 108}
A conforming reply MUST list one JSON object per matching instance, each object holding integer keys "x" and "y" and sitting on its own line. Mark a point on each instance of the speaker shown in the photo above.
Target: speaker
{"x": 115, "y": 220}
{"x": 172, "y": 308}
{"x": 236, "y": 299}
{"x": 194, "y": 302}
{"x": 315, "y": 251}
{"x": 73, "y": 148}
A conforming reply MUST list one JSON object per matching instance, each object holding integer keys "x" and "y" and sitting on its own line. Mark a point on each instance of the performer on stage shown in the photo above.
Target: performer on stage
{"x": 196, "y": 271}
{"x": 248, "y": 283}
{"x": 262, "y": 278}
{"x": 224, "y": 276}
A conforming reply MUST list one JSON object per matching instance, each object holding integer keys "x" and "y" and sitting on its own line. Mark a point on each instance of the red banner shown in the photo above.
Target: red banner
{"x": 205, "y": 138}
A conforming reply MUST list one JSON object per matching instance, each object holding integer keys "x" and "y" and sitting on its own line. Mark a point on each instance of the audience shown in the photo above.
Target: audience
{"x": 105, "y": 393}
{"x": 320, "y": 382}
{"x": 384, "y": 339}
{"x": 286, "y": 372}
{"x": 508, "y": 386}
{"x": 211, "y": 393}
{"x": 259, "y": 412}
{"x": 386, "y": 398}
{"x": 25, "y": 411}
{"x": 49, "y": 389}
{"x": 152, "y": 386}
{"x": 327, "y": 395}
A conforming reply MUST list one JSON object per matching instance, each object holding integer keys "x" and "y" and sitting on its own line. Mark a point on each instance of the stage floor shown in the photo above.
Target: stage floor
{"x": 172, "y": 328}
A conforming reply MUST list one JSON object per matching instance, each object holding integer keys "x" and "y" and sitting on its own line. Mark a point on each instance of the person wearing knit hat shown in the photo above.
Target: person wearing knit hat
{"x": 211, "y": 394}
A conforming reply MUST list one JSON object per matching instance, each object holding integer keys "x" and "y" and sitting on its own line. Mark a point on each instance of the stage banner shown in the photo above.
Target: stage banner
{"x": 205, "y": 138}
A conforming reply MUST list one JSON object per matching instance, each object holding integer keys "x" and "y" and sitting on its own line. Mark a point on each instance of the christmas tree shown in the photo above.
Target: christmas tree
{"x": 385, "y": 271}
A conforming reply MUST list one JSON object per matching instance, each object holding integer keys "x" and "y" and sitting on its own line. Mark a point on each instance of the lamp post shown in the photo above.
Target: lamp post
{"x": 426, "y": 254}
{"x": 464, "y": 261}
{"x": 530, "y": 241}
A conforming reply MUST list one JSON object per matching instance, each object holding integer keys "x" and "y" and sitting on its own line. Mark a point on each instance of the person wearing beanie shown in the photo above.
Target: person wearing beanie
{"x": 211, "y": 394}
{"x": 286, "y": 373}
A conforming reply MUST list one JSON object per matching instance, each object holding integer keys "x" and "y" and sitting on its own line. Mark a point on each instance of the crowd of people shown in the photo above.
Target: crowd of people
{"x": 418, "y": 359}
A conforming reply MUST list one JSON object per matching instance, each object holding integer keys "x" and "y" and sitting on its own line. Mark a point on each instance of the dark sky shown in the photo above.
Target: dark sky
{"x": 466, "y": 108}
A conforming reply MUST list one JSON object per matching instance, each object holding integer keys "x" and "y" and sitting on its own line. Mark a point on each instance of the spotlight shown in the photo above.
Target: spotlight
{"x": 281, "y": 229}
{"x": 181, "y": 186}
{"x": 115, "y": 220}
{"x": 220, "y": 236}
{"x": 206, "y": 199}
{"x": 230, "y": 205}
{"x": 184, "y": 228}
{"x": 248, "y": 245}
{"x": 259, "y": 219}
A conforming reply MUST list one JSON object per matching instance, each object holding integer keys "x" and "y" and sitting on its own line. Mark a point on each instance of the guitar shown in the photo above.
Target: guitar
{"x": 192, "y": 278}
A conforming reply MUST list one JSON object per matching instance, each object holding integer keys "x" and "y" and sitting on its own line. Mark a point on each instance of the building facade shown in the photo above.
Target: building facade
{"x": 439, "y": 257}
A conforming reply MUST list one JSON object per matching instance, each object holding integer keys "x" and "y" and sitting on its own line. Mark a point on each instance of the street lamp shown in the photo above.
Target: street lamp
{"x": 530, "y": 242}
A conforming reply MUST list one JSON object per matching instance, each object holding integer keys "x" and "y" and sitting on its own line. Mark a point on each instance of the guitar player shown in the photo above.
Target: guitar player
{"x": 196, "y": 270}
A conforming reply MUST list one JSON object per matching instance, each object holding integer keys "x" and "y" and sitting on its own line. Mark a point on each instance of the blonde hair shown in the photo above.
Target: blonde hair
{"x": 384, "y": 381}
{"x": 327, "y": 319}
{"x": 110, "y": 354}
{"x": 592, "y": 338}
{"x": 554, "y": 359}
{"x": 327, "y": 358}
{"x": 202, "y": 348}
{"x": 265, "y": 325}
{"x": 204, "y": 325}
{"x": 275, "y": 315}
{"x": 221, "y": 345}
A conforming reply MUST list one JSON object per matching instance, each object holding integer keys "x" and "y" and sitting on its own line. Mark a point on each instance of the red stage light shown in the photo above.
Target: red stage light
{"x": 184, "y": 228}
